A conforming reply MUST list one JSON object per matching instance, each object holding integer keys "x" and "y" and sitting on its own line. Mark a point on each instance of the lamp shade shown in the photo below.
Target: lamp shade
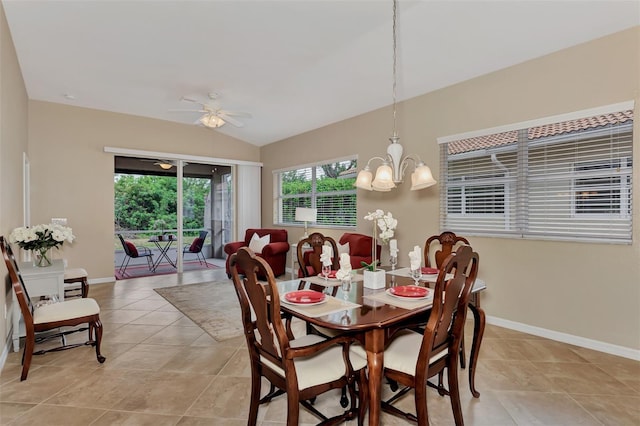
{"x": 422, "y": 178}
{"x": 304, "y": 214}
{"x": 384, "y": 178}
{"x": 363, "y": 181}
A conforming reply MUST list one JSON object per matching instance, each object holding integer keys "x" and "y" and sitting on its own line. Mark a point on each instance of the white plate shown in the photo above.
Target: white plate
{"x": 428, "y": 296}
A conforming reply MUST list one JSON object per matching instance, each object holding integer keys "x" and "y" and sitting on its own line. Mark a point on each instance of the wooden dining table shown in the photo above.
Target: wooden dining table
{"x": 374, "y": 322}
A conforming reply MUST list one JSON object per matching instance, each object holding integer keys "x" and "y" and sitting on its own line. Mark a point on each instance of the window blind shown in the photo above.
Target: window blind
{"x": 569, "y": 180}
{"x": 326, "y": 186}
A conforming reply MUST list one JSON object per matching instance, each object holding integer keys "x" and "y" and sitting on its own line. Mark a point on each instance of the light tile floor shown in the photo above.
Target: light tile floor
{"x": 162, "y": 369}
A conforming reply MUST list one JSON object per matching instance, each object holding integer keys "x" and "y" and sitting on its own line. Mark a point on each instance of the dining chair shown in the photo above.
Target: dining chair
{"x": 133, "y": 252}
{"x": 308, "y": 253}
{"x": 448, "y": 242}
{"x": 53, "y": 316}
{"x": 196, "y": 247}
{"x": 303, "y": 367}
{"x": 412, "y": 358}
{"x": 309, "y": 250}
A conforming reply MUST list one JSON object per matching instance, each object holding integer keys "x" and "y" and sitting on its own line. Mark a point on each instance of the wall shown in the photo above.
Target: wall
{"x": 588, "y": 291}
{"x": 13, "y": 142}
{"x": 72, "y": 176}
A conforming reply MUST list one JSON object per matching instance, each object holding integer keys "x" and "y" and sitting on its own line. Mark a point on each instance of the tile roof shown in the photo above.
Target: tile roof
{"x": 547, "y": 130}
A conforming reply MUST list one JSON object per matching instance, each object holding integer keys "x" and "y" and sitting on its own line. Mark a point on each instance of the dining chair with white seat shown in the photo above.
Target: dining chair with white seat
{"x": 53, "y": 316}
{"x": 412, "y": 358}
{"x": 302, "y": 368}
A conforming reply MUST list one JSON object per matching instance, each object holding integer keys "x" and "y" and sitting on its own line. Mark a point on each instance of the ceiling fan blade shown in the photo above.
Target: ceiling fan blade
{"x": 230, "y": 120}
{"x": 236, "y": 114}
{"x": 187, "y": 110}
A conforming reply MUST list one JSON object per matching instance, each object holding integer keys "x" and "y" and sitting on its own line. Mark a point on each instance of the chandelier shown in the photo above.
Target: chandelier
{"x": 391, "y": 171}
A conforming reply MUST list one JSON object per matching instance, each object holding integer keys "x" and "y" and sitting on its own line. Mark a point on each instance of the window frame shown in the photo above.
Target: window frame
{"x": 313, "y": 195}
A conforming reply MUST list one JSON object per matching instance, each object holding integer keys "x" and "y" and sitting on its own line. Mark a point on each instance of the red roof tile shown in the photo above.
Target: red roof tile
{"x": 506, "y": 138}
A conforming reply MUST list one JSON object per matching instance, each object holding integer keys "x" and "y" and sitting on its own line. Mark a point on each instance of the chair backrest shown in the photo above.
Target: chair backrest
{"x": 203, "y": 235}
{"x": 260, "y": 305}
{"x": 446, "y": 320}
{"x": 276, "y": 235}
{"x": 129, "y": 249}
{"x": 24, "y": 301}
{"x": 309, "y": 260}
{"x": 447, "y": 241}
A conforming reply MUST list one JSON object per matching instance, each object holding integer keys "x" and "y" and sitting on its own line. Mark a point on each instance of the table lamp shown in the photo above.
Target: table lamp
{"x": 304, "y": 214}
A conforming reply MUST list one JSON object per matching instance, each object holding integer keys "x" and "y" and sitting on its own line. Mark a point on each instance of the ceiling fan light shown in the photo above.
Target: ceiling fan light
{"x": 422, "y": 177}
{"x": 165, "y": 166}
{"x": 384, "y": 178}
{"x": 212, "y": 121}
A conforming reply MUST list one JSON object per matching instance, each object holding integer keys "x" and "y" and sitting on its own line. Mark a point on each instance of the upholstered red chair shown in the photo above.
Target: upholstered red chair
{"x": 359, "y": 248}
{"x": 274, "y": 252}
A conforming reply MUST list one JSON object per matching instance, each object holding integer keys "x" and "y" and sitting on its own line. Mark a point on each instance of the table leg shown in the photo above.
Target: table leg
{"x": 478, "y": 332}
{"x": 374, "y": 344}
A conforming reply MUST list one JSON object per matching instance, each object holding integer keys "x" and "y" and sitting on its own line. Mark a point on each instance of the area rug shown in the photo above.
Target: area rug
{"x": 138, "y": 271}
{"x": 213, "y": 306}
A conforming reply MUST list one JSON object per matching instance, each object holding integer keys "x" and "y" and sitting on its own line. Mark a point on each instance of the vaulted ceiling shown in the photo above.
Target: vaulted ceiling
{"x": 294, "y": 65}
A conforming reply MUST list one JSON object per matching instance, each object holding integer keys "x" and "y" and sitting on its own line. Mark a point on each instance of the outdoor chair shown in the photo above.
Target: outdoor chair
{"x": 196, "y": 247}
{"x": 133, "y": 252}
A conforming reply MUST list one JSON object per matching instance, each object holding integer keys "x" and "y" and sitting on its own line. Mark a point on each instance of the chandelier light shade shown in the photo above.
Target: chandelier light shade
{"x": 391, "y": 171}
{"x": 212, "y": 121}
{"x": 305, "y": 214}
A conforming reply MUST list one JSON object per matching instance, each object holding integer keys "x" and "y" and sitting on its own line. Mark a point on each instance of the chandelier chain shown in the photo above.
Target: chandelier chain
{"x": 394, "y": 68}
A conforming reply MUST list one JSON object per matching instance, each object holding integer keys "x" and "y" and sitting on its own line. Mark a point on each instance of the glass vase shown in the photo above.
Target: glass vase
{"x": 42, "y": 257}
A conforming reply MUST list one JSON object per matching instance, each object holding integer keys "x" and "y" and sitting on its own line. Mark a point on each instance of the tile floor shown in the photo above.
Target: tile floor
{"x": 162, "y": 369}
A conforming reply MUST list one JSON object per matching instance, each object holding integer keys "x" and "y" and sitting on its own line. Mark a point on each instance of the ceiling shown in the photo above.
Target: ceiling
{"x": 295, "y": 65}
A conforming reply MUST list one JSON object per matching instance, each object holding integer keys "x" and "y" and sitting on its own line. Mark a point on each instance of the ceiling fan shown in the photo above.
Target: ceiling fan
{"x": 213, "y": 116}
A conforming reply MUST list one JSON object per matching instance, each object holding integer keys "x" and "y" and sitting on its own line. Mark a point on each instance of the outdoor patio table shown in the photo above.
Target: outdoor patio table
{"x": 163, "y": 242}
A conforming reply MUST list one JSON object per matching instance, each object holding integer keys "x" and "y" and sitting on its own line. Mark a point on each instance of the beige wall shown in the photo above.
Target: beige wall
{"x": 590, "y": 291}
{"x": 13, "y": 142}
{"x": 72, "y": 176}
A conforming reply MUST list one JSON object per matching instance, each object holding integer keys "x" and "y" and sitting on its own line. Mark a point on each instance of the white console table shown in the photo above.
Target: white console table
{"x": 39, "y": 282}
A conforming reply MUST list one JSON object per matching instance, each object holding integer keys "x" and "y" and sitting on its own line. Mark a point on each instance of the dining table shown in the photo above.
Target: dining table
{"x": 373, "y": 317}
{"x": 163, "y": 243}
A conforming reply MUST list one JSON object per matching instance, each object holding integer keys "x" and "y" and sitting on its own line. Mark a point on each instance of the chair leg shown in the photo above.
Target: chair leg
{"x": 84, "y": 287}
{"x": 463, "y": 360}
{"x": 255, "y": 397}
{"x": 363, "y": 396}
{"x": 293, "y": 408}
{"x": 97, "y": 326}
{"x": 454, "y": 393}
{"x": 422, "y": 411}
{"x": 27, "y": 355}
{"x": 125, "y": 263}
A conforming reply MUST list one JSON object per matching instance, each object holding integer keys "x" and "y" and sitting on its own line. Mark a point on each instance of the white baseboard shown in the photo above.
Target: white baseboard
{"x": 8, "y": 345}
{"x": 583, "y": 342}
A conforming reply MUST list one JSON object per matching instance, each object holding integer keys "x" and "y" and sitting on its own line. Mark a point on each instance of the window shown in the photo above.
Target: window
{"x": 326, "y": 186}
{"x": 568, "y": 180}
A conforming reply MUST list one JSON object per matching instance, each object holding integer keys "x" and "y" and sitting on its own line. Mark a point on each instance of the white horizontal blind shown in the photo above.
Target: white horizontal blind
{"x": 327, "y": 187}
{"x": 570, "y": 181}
